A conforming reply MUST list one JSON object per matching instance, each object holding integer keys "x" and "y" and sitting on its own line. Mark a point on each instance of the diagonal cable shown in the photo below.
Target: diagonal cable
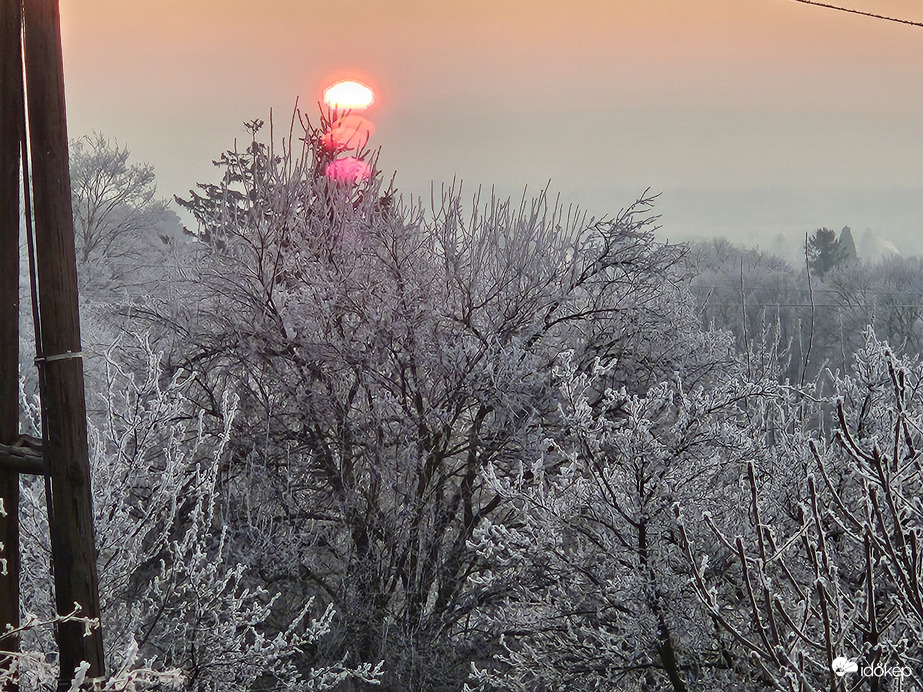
{"x": 860, "y": 12}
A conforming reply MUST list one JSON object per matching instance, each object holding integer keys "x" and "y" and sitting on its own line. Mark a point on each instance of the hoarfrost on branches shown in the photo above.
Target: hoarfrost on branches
{"x": 177, "y": 604}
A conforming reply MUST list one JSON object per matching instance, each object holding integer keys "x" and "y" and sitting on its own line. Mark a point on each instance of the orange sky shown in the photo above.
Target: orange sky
{"x": 597, "y": 95}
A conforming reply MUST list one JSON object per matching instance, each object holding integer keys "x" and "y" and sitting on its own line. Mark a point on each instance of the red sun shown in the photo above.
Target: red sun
{"x": 349, "y": 95}
{"x": 348, "y": 170}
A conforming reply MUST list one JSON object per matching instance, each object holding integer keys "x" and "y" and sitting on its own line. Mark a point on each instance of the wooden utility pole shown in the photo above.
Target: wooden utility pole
{"x": 11, "y": 118}
{"x": 73, "y": 548}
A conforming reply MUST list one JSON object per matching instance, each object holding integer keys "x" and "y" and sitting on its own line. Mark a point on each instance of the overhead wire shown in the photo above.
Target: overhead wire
{"x": 861, "y": 12}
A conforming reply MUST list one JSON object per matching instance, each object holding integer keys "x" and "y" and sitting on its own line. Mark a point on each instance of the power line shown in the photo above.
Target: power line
{"x": 860, "y": 12}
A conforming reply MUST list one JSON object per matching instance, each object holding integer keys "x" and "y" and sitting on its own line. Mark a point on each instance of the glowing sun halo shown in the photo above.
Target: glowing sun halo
{"x": 349, "y": 94}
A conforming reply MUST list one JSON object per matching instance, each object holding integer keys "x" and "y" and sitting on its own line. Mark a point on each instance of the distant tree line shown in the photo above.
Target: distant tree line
{"x": 817, "y": 310}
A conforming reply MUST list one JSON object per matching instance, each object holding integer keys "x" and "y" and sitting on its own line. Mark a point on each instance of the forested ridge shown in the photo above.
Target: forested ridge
{"x": 343, "y": 440}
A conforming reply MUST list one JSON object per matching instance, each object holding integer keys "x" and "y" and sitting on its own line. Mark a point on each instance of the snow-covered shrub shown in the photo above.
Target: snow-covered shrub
{"x": 175, "y": 597}
{"x": 600, "y": 595}
{"x": 821, "y": 585}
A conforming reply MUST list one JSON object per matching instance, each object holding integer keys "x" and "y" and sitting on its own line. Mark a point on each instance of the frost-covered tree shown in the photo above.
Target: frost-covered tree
{"x": 827, "y": 568}
{"x": 752, "y": 293}
{"x": 820, "y": 323}
{"x": 121, "y": 227}
{"x": 888, "y": 295}
{"x": 600, "y": 595}
{"x": 385, "y": 356}
{"x": 178, "y": 605}
{"x": 717, "y": 538}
